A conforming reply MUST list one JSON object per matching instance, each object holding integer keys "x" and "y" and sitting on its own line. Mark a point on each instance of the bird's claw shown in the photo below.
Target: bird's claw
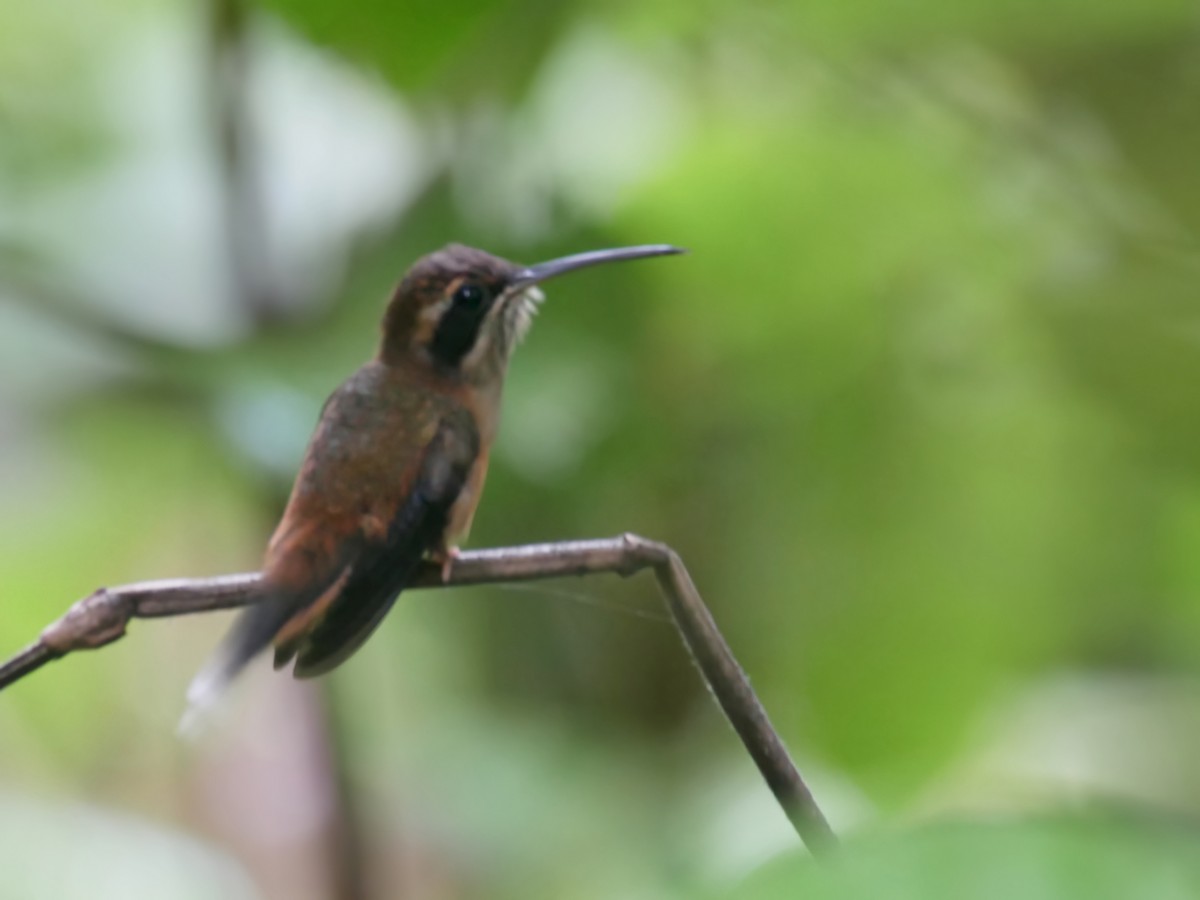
{"x": 448, "y": 558}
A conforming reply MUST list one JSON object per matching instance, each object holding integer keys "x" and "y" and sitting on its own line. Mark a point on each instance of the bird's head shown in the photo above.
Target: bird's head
{"x": 461, "y": 311}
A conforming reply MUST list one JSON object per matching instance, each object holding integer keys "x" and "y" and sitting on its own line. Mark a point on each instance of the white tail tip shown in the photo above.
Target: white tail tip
{"x": 204, "y": 701}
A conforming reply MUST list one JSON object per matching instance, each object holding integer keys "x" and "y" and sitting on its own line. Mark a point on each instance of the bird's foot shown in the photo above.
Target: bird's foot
{"x": 447, "y": 557}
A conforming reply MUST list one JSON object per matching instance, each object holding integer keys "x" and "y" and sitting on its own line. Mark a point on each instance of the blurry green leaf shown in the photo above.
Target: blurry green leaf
{"x": 887, "y": 459}
{"x": 472, "y": 46}
{"x": 1032, "y": 861}
{"x": 1025, "y": 24}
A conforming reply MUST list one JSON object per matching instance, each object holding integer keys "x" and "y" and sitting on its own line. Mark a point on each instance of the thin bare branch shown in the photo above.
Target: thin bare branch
{"x": 26, "y": 662}
{"x": 103, "y": 617}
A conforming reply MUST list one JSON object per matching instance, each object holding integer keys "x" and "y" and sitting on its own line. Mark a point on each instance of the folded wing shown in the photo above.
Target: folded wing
{"x": 323, "y": 623}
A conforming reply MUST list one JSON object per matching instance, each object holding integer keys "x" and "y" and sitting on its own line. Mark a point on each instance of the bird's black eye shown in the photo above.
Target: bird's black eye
{"x": 459, "y": 327}
{"x": 469, "y": 297}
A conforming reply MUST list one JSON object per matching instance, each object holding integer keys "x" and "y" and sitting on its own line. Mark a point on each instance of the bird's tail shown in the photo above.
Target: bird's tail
{"x": 250, "y": 635}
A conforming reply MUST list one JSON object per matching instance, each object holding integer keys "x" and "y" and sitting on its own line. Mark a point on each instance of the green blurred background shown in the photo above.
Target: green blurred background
{"x": 920, "y": 410}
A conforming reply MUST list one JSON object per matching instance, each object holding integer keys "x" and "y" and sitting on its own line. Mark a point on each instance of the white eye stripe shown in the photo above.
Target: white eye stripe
{"x": 433, "y": 312}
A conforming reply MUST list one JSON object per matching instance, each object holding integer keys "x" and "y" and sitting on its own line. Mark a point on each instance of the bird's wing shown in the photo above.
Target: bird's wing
{"x": 361, "y": 595}
{"x": 326, "y": 621}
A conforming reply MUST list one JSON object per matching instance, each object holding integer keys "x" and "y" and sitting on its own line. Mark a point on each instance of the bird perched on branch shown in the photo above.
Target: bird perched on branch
{"x": 394, "y": 471}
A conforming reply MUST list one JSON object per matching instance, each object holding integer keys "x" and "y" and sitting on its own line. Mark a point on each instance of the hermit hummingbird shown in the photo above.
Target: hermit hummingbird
{"x": 393, "y": 473}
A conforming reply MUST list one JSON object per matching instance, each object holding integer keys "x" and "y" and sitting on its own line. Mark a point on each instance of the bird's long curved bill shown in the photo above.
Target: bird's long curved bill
{"x": 553, "y": 268}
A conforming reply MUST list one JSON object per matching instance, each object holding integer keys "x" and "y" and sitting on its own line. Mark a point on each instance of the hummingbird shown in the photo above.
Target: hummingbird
{"x": 395, "y": 468}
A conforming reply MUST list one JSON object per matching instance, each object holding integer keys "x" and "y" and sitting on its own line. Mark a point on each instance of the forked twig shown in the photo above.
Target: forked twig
{"x": 103, "y": 617}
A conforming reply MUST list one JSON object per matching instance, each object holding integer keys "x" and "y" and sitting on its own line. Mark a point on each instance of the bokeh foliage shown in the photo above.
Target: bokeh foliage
{"x": 919, "y": 410}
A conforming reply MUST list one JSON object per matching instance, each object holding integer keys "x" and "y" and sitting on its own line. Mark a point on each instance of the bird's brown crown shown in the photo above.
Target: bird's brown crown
{"x": 448, "y": 305}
